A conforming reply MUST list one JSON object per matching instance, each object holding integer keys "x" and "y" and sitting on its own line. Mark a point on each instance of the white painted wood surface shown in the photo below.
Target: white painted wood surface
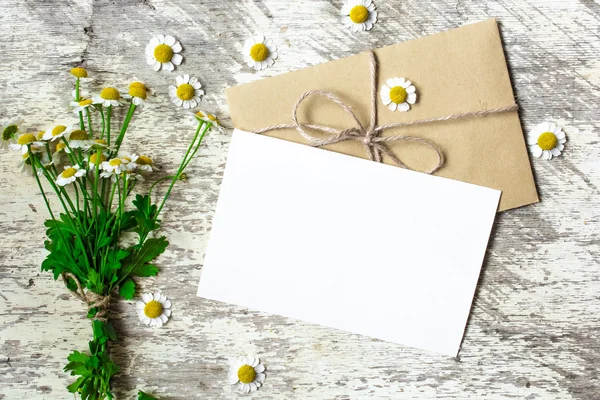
{"x": 534, "y": 331}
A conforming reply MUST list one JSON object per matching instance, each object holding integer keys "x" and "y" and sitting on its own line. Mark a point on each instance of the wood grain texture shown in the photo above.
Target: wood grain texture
{"x": 534, "y": 331}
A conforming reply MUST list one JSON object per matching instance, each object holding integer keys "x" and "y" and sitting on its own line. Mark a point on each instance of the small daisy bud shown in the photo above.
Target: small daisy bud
{"x": 182, "y": 176}
{"x": 79, "y": 72}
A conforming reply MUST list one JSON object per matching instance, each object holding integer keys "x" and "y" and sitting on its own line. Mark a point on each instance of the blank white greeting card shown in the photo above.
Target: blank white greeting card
{"x": 347, "y": 243}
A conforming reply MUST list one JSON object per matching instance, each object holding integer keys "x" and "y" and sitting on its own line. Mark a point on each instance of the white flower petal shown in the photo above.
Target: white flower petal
{"x": 260, "y": 376}
{"x": 177, "y": 59}
{"x": 403, "y": 107}
{"x": 393, "y": 106}
{"x": 259, "y": 368}
{"x": 168, "y": 66}
{"x": 170, "y": 40}
{"x": 555, "y": 152}
{"x": 411, "y": 98}
{"x": 157, "y": 66}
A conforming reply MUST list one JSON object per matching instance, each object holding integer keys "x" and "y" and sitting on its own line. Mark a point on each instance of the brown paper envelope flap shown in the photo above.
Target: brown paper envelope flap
{"x": 457, "y": 71}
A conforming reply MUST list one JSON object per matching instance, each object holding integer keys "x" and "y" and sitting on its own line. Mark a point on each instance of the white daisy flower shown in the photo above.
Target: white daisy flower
{"x": 69, "y": 175}
{"x": 187, "y": 93}
{"x": 57, "y": 132}
{"x": 93, "y": 158}
{"x": 79, "y": 139}
{"x": 81, "y": 73}
{"x": 154, "y": 309}
{"x": 546, "y": 140}
{"x": 26, "y": 167}
{"x": 82, "y": 106}
{"x": 398, "y": 94}
{"x": 259, "y": 53}
{"x": 10, "y": 131}
{"x": 201, "y": 117}
{"x": 359, "y": 15}
{"x": 108, "y": 96}
{"x": 138, "y": 93}
{"x": 247, "y": 374}
{"x": 142, "y": 162}
{"x": 163, "y": 51}
{"x": 24, "y": 141}
{"x": 113, "y": 167}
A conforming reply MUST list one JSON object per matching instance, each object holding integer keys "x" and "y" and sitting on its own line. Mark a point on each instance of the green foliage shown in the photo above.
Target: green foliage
{"x": 94, "y": 371}
{"x": 145, "y": 396}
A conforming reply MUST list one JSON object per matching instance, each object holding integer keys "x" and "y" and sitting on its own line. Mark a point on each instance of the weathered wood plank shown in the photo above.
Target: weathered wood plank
{"x": 534, "y": 329}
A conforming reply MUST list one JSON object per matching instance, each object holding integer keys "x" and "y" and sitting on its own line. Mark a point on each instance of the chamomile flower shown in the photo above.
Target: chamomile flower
{"x": 81, "y": 74}
{"x": 79, "y": 139}
{"x": 247, "y": 374}
{"x": 59, "y": 151}
{"x": 57, "y": 132}
{"x": 201, "y": 117}
{"x": 94, "y": 159}
{"x": 359, "y": 15}
{"x": 163, "y": 51}
{"x": 154, "y": 309}
{"x": 259, "y": 53}
{"x": 187, "y": 93}
{"x": 27, "y": 168}
{"x": 112, "y": 168}
{"x": 24, "y": 141}
{"x": 69, "y": 175}
{"x": 138, "y": 93}
{"x": 142, "y": 162}
{"x": 398, "y": 94}
{"x": 10, "y": 131}
{"x": 546, "y": 140}
{"x": 82, "y": 106}
{"x": 109, "y": 96}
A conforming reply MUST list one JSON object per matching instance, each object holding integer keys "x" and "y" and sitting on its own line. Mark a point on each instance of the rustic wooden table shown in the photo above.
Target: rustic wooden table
{"x": 534, "y": 330}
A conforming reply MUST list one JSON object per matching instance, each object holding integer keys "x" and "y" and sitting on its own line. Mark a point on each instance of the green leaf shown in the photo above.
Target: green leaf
{"x": 145, "y": 396}
{"x": 74, "y": 387}
{"x": 76, "y": 356}
{"x": 145, "y": 270}
{"x": 127, "y": 289}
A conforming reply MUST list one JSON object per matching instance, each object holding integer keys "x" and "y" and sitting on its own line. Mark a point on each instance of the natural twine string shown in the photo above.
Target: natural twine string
{"x": 375, "y": 144}
{"x": 91, "y": 299}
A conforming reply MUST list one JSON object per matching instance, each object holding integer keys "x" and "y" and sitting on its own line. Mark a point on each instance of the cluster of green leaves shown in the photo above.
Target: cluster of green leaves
{"x": 90, "y": 250}
{"x": 94, "y": 370}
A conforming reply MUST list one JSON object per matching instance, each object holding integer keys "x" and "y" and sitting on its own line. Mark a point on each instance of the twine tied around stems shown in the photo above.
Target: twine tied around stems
{"x": 375, "y": 144}
{"x": 92, "y": 300}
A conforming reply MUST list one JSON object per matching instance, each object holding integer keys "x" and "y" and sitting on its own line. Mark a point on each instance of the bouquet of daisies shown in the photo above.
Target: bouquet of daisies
{"x": 92, "y": 183}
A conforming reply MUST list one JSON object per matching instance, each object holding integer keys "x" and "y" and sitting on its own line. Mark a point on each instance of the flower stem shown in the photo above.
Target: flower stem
{"x": 184, "y": 163}
{"x": 77, "y": 98}
{"x": 124, "y": 128}
{"x": 109, "y": 112}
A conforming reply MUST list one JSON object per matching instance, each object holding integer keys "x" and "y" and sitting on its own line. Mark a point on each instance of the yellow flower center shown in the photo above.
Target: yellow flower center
{"x": 163, "y": 53}
{"x": 40, "y": 135}
{"x": 246, "y": 374}
{"x": 359, "y": 14}
{"x": 79, "y": 135}
{"x": 138, "y": 89}
{"x": 110, "y": 93}
{"x": 94, "y": 157}
{"x": 398, "y": 94}
{"x": 60, "y": 146}
{"x": 85, "y": 102}
{"x": 153, "y": 309}
{"x": 185, "y": 91}
{"x": 547, "y": 141}
{"x": 144, "y": 160}
{"x": 69, "y": 172}
{"x": 57, "y": 130}
{"x": 9, "y": 132}
{"x": 79, "y": 72}
{"x": 209, "y": 116}
{"x": 259, "y": 52}
{"x": 126, "y": 159}
{"x": 115, "y": 161}
{"x": 100, "y": 141}
{"x": 26, "y": 139}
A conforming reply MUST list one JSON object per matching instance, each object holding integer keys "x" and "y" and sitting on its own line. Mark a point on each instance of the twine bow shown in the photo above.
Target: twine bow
{"x": 92, "y": 300}
{"x": 371, "y": 137}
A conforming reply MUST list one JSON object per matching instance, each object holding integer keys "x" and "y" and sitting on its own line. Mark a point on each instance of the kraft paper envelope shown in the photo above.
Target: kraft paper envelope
{"x": 458, "y": 71}
{"x": 347, "y": 243}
